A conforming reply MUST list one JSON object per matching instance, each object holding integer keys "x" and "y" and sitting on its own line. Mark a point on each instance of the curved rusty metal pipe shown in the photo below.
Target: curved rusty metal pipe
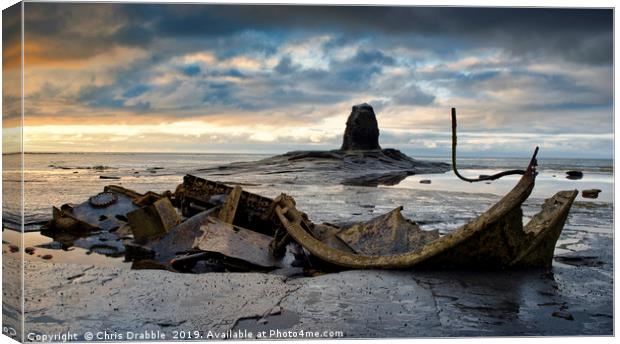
{"x": 473, "y": 180}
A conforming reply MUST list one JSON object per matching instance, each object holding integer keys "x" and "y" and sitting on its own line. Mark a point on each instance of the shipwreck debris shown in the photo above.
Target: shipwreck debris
{"x": 229, "y": 208}
{"x": 481, "y": 177}
{"x": 179, "y": 240}
{"x": 328, "y": 234}
{"x": 106, "y": 211}
{"x": 99, "y": 224}
{"x": 494, "y": 240}
{"x": 241, "y": 231}
{"x": 386, "y": 234}
{"x": 253, "y": 211}
{"x": 102, "y": 200}
{"x": 225, "y": 228}
{"x": 238, "y": 243}
{"x": 153, "y": 220}
{"x": 543, "y": 231}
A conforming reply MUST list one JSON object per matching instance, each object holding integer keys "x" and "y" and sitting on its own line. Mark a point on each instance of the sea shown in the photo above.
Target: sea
{"x": 444, "y": 204}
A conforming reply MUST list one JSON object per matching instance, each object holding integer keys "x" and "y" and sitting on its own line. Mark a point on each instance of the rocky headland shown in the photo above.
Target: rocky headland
{"x": 360, "y": 160}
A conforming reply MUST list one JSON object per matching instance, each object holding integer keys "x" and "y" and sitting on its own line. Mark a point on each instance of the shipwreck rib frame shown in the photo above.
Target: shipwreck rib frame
{"x": 488, "y": 226}
{"x": 482, "y": 178}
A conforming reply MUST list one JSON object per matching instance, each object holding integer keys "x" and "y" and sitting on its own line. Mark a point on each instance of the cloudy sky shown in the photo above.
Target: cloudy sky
{"x": 218, "y": 78}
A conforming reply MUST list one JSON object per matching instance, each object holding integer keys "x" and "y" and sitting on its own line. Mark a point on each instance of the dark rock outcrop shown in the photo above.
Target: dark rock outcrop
{"x": 362, "y": 131}
{"x": 360, "y": 161}
{"x": 590, "y": 193}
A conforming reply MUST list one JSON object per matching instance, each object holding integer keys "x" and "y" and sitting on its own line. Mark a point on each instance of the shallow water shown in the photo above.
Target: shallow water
{"x": 548, "y": 182}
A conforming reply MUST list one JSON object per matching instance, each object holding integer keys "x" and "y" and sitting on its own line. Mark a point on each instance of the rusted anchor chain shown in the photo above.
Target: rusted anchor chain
{"x": 473, "y": 180}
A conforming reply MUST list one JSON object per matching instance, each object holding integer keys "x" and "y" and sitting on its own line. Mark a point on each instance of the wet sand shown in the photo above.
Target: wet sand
{"x": 78, "y": 298}
{"x": 574, "y": 298}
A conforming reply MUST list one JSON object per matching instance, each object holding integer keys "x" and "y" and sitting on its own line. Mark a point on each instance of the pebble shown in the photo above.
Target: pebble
{"x": 47, "y": 257}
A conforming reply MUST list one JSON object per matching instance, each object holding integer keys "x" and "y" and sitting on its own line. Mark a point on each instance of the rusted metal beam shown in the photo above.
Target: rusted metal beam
{"x": 229, "y": 208}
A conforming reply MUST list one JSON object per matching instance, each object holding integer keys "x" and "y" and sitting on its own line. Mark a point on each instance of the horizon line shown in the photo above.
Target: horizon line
{"x": 447, "y": 156}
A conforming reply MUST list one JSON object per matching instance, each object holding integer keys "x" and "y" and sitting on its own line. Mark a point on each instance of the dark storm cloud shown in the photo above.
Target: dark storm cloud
{"x": 413, "y": 95}
{"x": 191, "y": 70}
{"x": 559, "y": 89}
{"x": 372, "y": 57}
{"x": 133, "y": 35}
{"x": 135, "y": 91}
{"x": 99, "y": 96}
{"x": 11, "y": 37}
{"x": 107, "y": 97}
{"x": 583, "y": 35}
{"x": 11, "y": 25}
{"x": 285, "y": 66}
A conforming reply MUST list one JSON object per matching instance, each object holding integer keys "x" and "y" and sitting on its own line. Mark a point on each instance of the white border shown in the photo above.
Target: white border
{"x": 477, "y": 3}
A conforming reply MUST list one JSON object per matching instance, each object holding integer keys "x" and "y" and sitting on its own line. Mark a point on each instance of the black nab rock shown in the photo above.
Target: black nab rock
{"x": 359, "y": 162}
{"x": 362, "y": 132}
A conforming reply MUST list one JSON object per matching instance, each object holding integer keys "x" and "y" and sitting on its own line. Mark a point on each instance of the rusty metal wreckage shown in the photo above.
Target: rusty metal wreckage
{"x": 243, "y": 231}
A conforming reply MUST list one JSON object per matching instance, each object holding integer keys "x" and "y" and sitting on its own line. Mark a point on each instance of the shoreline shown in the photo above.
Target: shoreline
{"x": 399, "y": 303}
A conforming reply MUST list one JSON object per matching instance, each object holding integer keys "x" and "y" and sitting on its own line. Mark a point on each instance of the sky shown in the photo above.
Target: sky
{"x": 270, "y": 79}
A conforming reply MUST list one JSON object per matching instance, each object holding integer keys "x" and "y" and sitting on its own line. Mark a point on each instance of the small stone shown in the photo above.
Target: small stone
{"x": 425, "y": 181}
{"x": 29, "y": 250}
{"x": 590, "y": 193}
{"x": 13, "y": 248}
{"x": 47, "y": 257}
